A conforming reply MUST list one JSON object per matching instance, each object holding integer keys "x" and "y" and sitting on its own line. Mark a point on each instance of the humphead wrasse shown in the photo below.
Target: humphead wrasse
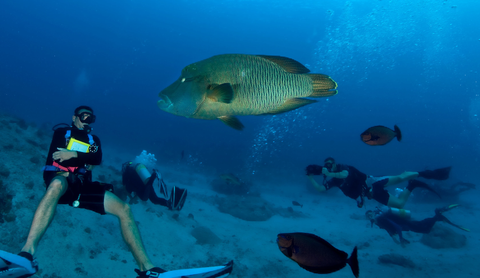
{"x": 229, "y": 85}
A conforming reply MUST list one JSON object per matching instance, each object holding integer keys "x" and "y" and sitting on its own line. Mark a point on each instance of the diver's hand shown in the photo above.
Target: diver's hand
{"x": 359, "y": 202}
{"x": 395, "y": 239}
{"x": 64, "y": 154}
{"x": 325, "y": 171}
{"x": 404, "y": 242}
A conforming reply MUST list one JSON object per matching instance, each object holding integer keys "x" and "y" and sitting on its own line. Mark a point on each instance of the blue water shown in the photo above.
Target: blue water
{"x": 410, "y": 63}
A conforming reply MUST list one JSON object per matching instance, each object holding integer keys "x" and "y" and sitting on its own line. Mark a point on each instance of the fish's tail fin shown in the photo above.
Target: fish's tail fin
{"x": 398, "y": 132}
{"x": 353, "y": 262}
{"x": 323, "y": 85}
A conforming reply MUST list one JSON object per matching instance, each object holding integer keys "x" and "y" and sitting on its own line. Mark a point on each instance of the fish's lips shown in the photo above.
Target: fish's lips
{"x": 284, "y": 240}
{"x": 164, "y": 103}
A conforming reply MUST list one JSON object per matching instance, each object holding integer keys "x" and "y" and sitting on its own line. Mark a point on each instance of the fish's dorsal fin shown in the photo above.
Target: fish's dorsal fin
{"x": 221, "y": 93}
{"x": 289, "y": 65}
{"x": 232, "y": 122}
{"x": 289, "y": 105}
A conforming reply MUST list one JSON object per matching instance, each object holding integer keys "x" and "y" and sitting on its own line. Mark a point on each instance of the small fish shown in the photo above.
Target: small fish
{"x": 224, "y": 86}
{"x": 295, "y": 203}
{"x": 315, "y": 254}
{"x": 380, "y": 135}
{"x": 231, "y": 179}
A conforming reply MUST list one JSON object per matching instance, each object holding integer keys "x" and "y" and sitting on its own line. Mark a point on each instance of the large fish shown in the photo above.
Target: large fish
{"x": 224, "y": 86}
{"x": 380, "y": 135}
{"x": 315, "y": 254}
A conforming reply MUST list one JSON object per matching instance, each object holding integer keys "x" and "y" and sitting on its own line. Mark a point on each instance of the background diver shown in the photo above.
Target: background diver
{"x": 357, "y": 185}
{"x": 394, "y": 221}
{"x": 139, "y": 183}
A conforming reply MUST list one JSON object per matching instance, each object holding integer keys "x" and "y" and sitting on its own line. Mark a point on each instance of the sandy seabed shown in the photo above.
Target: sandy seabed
{"x": 80, "y": 243}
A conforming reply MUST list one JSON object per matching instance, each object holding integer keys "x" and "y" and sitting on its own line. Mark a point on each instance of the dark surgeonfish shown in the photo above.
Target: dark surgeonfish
{"x": 224, "y": 86}
{"x": 315, "y": 254}
{"x": 380, "y": 135}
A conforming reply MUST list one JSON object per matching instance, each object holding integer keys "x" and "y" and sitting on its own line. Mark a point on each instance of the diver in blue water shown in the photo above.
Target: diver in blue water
{"x": 71, "y": 158}
{"x": 396, "y": 221}
{"x": 357, "y": 185}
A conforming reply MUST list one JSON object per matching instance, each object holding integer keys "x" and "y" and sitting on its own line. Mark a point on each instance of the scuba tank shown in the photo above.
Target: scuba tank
{"x": 143, "y": 173}
{"x": 403, "y": 213}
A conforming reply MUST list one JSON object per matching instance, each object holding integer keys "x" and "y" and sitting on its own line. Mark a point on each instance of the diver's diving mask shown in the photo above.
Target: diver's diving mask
{"x": 329, "y": 166}
{"x": 86, "y": 118}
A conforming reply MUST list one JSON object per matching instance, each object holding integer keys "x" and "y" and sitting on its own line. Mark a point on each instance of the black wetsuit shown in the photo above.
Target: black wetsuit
{"x": 80, "y": 186}
{"x": 395, "y": 224}
{"x": 353, "y": 186}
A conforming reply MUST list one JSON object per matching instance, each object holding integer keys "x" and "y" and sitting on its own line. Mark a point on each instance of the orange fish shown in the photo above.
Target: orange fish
{"x": 380, "y": 135}
{"x": 315, "y": 254}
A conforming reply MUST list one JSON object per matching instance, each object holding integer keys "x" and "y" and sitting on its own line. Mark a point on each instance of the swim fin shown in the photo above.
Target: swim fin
{"x": 412, "y": 184}
{"x": 438, "y": 174}
{"x": 445, "y": 209}
{"x": 16, "y": 266}
{"x": 444, "y": 219}
{"x": 203, "y": 272}
{"x": 177, "y": 198}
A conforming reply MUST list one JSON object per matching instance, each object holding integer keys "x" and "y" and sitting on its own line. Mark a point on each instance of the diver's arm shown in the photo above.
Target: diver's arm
{"x": 398, "y": 230}
{"x": 319, "y": 187}
{"x": 63, "y": 154}
{"x": 92, "y": 158}
{"x": 339, "y": 175}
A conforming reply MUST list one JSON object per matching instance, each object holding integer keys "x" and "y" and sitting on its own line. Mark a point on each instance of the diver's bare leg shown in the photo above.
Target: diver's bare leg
{"x": 131, "y": 235}
{"x": 405, "y": 176}
{"x": 45, "y": 213}
{"x": 399, "y": 202}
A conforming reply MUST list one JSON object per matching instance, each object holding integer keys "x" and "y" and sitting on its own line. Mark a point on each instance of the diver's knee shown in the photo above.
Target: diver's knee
{"x": 408, "y": 175}
{"x": 57, "y": 187}
{"x": 123, "y": 210}
{"x": 394, "y": 202}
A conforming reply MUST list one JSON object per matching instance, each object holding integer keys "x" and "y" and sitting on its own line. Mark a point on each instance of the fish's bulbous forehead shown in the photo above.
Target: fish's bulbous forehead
{"x": 190, "y": 69}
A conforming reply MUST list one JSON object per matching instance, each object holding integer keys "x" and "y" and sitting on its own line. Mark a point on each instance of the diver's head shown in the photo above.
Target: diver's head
{"x": 83, "y": 117}
{"x": 329, "y": 163}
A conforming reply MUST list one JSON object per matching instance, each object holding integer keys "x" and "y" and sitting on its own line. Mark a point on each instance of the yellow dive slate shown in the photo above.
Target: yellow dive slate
{"x": 79, "y": 146}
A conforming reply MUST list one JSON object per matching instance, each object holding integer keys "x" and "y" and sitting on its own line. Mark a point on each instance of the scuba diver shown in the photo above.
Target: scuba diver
{"x": 395, "y": 221}
{"x": 67, "y": 174}
{"x": 139, "y": 183}
{"x": 72, "y": 155}
{"x": 357, "y": 185}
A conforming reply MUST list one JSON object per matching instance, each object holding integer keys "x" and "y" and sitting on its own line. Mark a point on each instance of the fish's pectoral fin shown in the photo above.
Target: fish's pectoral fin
{"x": 232, "y": 122}
{"x": 323, "y": 85}
{"x": 289, "y": 105}
{"x": 221, "y": 93}
{"x": 289, "y": 65}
